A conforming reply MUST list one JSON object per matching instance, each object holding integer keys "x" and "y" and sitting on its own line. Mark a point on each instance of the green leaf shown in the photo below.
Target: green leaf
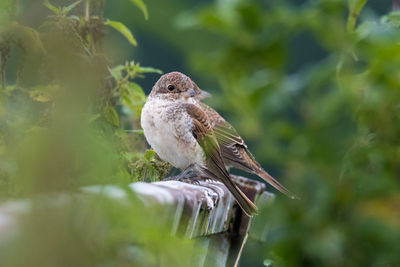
{"x": 122, "y": 29}
{"x": 137, "y": 95}
{"x": 116, "y": 72}
{"x": 355, "y": 7}
{"x": 111, "y": 115}
{"x": 149, "y": 70}
{"x": 138, "y": 131}
{"x": 40, "y": 96}
{"x": 136, "y": 91}
{"x": 149, "y": 154}
{"x": 130, "y": 156}
{"x": 73, "y": 17}
{"x": 28, "y": 38}
{"x": 133, "y": 97}
{"x": 142, "y": 6}
{"x": 54, "y": 9}
{"x": 94, "y": 117}
{"x": 68, "y": 9}
{"x": 394, "y": 18}
{"x": 43, "y": 93}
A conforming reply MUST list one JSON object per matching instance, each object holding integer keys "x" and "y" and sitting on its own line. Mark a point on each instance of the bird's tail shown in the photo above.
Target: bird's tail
{"x": 244, "y": 202}
{"x": 251, "y": 165}
{"x": 271, "y": 180}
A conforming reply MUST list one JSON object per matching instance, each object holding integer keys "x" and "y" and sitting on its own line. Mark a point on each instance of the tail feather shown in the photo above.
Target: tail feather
{"x": 269, "y": 179}
{"x": 251, "y": 165}
{"x": 246, "y": 204}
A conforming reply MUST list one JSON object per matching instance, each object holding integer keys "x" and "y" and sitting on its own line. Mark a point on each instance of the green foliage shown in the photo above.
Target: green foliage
{"x": 111, "y": 115}
{"x": 142, "y": 6}
{"x": 66, "y": 124}
{"x": 130, "y": 94}
{"x": 68, "y": 81}
{"x": 355, "y": 7}
{"x": 61, "y": 11}
{"x": 327, "y": 127}
{"x": 146, "y": 167}
{"x": 123, "y": 30}
{"x": 92, "y": 230}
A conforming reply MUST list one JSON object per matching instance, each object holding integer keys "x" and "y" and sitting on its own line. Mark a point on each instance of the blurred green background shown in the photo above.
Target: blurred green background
{"x": 312, "y": 86}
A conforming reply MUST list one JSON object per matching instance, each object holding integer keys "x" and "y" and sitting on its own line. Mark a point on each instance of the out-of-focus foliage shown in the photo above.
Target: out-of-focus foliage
{"x": 328, "y": 125}
{"x": 59, "y": 115}
{"x": 70, "y": 120}
{"x": 85, "y": 230}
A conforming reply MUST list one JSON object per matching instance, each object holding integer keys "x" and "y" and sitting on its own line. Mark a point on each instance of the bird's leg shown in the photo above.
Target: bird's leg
{"x": 190, "y": 175}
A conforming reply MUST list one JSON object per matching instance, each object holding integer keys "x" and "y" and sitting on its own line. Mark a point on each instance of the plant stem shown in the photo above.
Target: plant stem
{"x": 3, "y": 73}
{"x": 4, "y": 53}
{"x": 87, "y": 10}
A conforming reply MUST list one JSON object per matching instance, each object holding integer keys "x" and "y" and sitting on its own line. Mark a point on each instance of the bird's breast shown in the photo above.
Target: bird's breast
{"x": 168, "y": 129}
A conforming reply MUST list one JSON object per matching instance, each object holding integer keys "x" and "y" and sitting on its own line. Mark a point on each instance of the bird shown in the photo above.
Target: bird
{"x": 193, "y": 137}
{"x": 180, "y": 132}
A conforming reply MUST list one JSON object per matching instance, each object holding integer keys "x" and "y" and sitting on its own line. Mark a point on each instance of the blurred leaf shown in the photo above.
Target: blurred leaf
{"x": 8, "y": 10}
{"x": 310, "y": 127}
{"x": 149, "y": 70}
{"x": 136, "y": 91}
{"x": 116, "y": 72}
{"x": 268, "y": 262}
{"x": 94, "y": 117}
{"x": 28, "y": 38}
{"x": 39, "y": 95}
{"x": 393, "y": 18}
{"x": 355, "y": 7}
{"x": 123, "y": 30}
{"x": 132, "y": 96}
{"x": 54, "y": 9}
{"x": 111, "y": 115}
{"x": 69, "y": 8}
{"x": 149, "y": 154}
{"x": 142, "y": 6}
{"x": 383, "y": 209}
{"x": 135, "y": 131}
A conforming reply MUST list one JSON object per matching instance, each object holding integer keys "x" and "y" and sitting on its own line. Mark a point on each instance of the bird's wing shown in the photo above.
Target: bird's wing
{"x": 233, "y": 149}
{"x": 235, "y": 152}
{"x": 203, "y": 133}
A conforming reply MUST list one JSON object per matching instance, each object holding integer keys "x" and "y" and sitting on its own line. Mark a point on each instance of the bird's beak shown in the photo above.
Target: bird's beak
{"x": 203, "y": 94}
{"x": 191, "y": 92}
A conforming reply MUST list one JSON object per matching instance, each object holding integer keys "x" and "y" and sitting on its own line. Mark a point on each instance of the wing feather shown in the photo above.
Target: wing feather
{"x": 215, "y": 166}
{"x": 235, "y": 152}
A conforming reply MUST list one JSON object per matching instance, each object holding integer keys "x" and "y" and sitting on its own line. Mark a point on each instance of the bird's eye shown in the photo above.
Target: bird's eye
{"x": 171, "y": 87}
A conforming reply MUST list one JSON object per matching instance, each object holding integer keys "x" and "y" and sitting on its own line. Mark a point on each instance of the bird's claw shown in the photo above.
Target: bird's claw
{"x": 190, "y": 175}
{"x": 179, "y": 178}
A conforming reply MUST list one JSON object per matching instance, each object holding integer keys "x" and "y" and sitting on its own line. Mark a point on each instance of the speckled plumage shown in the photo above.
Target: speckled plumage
{"x": 180, "y": 132}
{"x": 167, "y": 128}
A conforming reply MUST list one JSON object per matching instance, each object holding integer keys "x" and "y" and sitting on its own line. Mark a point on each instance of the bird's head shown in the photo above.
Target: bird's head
{"x": 177, "y": 85}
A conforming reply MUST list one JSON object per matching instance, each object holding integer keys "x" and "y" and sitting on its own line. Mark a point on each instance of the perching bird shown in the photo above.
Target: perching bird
{"x": 180, "y": 133}
{"x": 180, "y": 130}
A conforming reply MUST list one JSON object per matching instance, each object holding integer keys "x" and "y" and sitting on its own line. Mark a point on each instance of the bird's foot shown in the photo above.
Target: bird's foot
{"x": 182, "y": 179}
{"x": 189, "y": 175}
